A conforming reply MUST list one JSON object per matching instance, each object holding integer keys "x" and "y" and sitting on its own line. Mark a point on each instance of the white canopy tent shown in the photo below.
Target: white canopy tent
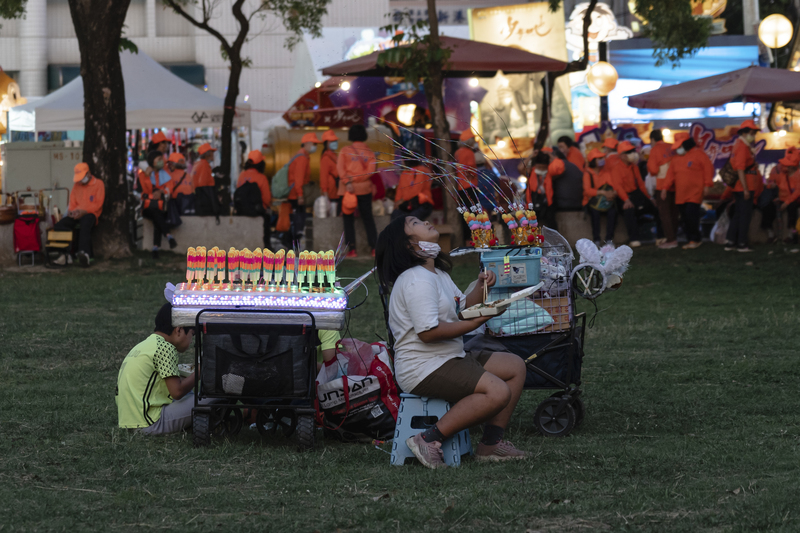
{"x": 154, "y": 98}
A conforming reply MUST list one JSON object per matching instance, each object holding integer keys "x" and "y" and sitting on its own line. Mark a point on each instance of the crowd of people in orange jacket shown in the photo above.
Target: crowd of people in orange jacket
{"x": 612, "y": 183}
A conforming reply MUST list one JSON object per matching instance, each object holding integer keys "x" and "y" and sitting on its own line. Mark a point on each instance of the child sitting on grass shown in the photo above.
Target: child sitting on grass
{"x": 151, "y": 395}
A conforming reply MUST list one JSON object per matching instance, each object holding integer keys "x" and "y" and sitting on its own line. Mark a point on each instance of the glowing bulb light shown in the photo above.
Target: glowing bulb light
{"x": 775, "y": 31}
{"x": 473, "y": 82}
{"x": 602, "y": 78}
{"x": 346, "y": 86}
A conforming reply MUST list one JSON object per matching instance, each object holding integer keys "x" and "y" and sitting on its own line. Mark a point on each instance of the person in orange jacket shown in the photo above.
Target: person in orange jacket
{"x": 610, "y": 149}
{"x": 599, "y": 197}
{"x": 299, "y": 176}
{"x": 539, "y": 190}
{"x": 85, "y": 207}
{"x": 254, "y": 173}
{"x": 328, "y": 172}
{"x": 181, "y": 183}
{"x": 786, "y": 178}
{"x": 571, "y": 152}
{"x": 745, "y": 191}
{"x": 657, "y": 165}
{"x": 632, "y": 193}
{"x": 155, "y": 193}
{"x": 466, "y": 166}
{"x": 692, "y": 175}
{"x": 206, "y": 201}
{"x": 413, "y": 197}
{"x": 356, "y": 165}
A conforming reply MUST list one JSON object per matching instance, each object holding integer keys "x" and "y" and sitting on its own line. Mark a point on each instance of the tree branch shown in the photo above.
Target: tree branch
{"x": 202, "y": 25}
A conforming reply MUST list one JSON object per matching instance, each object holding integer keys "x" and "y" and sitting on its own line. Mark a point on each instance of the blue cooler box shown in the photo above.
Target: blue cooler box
{"x": 523, "y": 266}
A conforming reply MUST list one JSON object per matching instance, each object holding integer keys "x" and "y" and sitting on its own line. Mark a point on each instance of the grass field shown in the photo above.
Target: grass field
{"x": 691, "y": 388}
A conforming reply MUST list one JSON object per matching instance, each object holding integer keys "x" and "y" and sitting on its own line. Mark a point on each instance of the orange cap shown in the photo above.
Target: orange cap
{"x": 556, "y": 167}
{"x": 547, "y": 150}
{"x": 624, "y": 147}
{"x": 310, "y": 138}
{"x": 176, "y": 157}
{"x": 466, "y": 135}
{"x": 81, "y": 169}
{"x": 593, "y": 154}
{"x": 255, "y": 156}
{"x": 679, "y": 139}
{"x": 329, "y": 135}
{"x": 205, "y": 147}
{"x": 789, "y": 161}
{"x": 748, "y": 124}
{"x": 159, "y": 138}
{"x": 611, "y": 142}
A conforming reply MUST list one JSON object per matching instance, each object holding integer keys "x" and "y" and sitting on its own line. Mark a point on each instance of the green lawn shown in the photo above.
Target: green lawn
{"x": 690, "y": 377}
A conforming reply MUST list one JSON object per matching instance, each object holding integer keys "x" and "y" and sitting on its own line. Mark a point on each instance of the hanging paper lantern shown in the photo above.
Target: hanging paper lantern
{"x": 602, "y": 78}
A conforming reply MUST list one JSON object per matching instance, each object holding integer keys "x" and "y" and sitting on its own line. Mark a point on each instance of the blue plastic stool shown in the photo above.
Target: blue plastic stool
{"x": 418, "y": 414}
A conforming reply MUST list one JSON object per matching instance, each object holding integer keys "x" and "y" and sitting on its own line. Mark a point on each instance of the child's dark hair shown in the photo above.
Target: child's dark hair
{"x": 394, "y": 253}
{"x": 260, "y": 167}
{"x": 566, "y": 140}
{"x": 164, "y": 319}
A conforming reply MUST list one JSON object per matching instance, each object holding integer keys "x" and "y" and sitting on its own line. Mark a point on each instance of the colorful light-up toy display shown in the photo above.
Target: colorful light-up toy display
{"x": 263, "y": 279}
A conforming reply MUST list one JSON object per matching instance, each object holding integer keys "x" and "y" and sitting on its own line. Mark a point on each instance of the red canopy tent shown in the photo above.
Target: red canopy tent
{"x": 751, "y": 84}
{"x": 468, "y": 59}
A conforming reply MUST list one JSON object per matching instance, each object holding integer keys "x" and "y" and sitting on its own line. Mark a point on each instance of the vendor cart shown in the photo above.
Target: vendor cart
{"x": 543, "y": 329}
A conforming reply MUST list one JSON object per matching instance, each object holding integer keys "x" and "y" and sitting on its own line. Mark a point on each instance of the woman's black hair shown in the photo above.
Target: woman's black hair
{"x": 745, "y": 130}
{"x": 566, "y": 140}
{"x": 259, "y": 167}
{"x": 656, "y": 136}
{"x": 152, "y": 156}
{"x": 541, "y": 159}
{"x": 357, "y": 133}
{"x": 688, "y": 144}
{"x": 593, "y": 163}
{"x": 394, "y": 253}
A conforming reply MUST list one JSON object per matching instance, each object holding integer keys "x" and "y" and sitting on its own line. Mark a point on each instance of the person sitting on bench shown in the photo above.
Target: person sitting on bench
{"x": 85, "y": 206}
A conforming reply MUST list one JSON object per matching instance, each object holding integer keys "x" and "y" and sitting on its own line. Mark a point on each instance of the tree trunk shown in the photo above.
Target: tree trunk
{"x": 434, "y": 91}
{"x": 226, "y": 151}
{"x": 549, "y": 81}
{"x": 98, "y": 26}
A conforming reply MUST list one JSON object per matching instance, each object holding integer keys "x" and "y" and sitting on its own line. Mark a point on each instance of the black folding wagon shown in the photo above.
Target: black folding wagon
{"x": 254, "y": 359}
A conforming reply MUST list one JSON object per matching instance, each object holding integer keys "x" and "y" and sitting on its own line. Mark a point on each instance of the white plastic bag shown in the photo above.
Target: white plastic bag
{"x": 322, "y": 207}
{"x": 719, "y": 233}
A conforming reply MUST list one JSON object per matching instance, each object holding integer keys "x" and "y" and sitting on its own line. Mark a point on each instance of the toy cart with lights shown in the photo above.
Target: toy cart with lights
{"x": 256, "y": 326}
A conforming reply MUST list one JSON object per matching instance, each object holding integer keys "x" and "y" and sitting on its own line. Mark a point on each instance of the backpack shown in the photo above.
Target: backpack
{"x": 247, "y": 200}
{"x": 280, "y": 181}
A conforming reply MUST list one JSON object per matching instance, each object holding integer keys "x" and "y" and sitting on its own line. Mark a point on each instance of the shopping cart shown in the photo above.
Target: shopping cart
{"x": 254, "y": 359}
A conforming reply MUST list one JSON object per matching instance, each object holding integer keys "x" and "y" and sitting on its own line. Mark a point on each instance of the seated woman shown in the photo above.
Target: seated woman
{"x": 429, "y": 352}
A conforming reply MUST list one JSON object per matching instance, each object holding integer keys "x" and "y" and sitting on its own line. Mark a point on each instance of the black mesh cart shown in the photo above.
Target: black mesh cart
{"x": 254, "y": 359}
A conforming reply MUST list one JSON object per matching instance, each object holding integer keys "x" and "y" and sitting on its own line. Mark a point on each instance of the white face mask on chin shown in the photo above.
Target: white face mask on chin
{"x": 333, "y": 145}
{"x": 428, "y": 249}
{"x": 312, "y": 148}
{"x": 680, "y": 151}
{"x": 540, "y": 172}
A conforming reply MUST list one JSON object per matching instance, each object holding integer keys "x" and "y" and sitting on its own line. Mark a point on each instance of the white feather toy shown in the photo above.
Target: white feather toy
{"x": 587, "y": 251}
{"x": 618, "y": 261}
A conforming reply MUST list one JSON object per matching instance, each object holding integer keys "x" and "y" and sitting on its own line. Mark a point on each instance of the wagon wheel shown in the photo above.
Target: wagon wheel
{"x": 554, "y": 418}
{"x": 588, "y": 280}
{"x": 226, "y": 421}
{"x": 265, "y": 422}
{"x": 304, "y": 436}
{"x": 269, "y": 420}
{"x": 576, "y": 403}
{"x": 201, "y": 431}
